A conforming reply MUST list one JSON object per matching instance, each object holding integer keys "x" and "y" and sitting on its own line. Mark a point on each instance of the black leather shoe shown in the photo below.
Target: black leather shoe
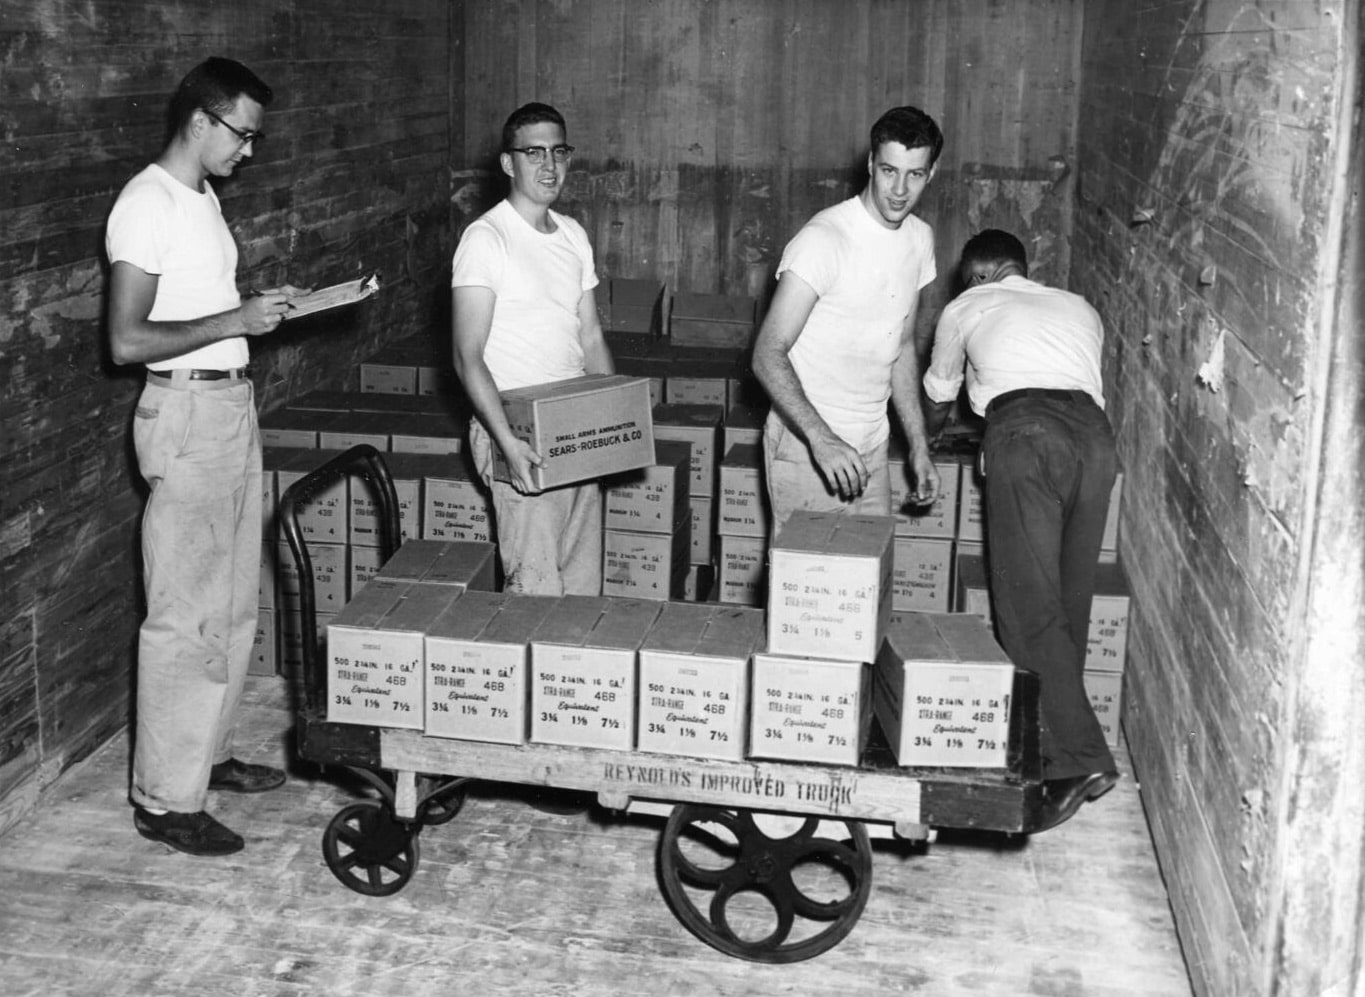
{"x": 193, "y": 834}
{"x": 1063, "y": 797}
{"x": 241, "y": 777}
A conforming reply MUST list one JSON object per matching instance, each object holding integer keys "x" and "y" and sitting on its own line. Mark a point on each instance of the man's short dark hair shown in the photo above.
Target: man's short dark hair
{"x": 529, "y": 114}
{"x": 995, "y": 246}
{"x": 911, "y": 127}
{"x": 215, "y": 84}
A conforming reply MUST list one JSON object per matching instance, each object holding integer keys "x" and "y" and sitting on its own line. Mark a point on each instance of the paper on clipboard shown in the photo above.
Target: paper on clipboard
{"x": 333, "y": 297}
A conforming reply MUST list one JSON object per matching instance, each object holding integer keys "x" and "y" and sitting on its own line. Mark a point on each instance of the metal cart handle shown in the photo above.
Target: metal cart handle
{"x": 362, "y": 461}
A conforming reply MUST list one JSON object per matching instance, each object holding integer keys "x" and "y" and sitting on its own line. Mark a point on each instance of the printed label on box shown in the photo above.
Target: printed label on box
{"x": 921, "y": 575}
{"x": 808, "y": 710}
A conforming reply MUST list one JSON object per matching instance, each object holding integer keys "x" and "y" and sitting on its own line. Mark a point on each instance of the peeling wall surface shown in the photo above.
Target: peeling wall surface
{"x": 350, "y": 181}
{"x": 1205, "y": 169}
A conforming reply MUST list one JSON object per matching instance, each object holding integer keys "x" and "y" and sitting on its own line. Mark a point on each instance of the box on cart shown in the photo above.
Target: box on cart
{"x": 461, "y": 563}
{"x": 583, "y": 671}
{"x": 694, "y": 680}
{"x": 943, "y": 690}
{"x": 477, "y": 652}
{"x": 829, "y": 585}
{"x": 809, "y": 709}
{"x": 376, "y": 653}
{"x": 584, "y": 427}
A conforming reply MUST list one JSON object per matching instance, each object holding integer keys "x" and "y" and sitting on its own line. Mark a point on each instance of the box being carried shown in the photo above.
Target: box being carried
{"x": 829, "y": 585}
{"x": 583, "y": 671}
{"x": 942, "y": 691}
{"x": 583, "y": 427}
{"x": 694, "y": 680}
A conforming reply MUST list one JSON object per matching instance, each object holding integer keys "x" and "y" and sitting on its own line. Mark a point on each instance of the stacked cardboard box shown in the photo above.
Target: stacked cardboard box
{"x": 924, "y": 538}
{"x": 829, "y": 601}
{"x": 647, "y": 527}
{"x": 742, "y": 525}
{"x": 698, "y": 426}
{"x": 712, "y": 320}
{"x": 631, "y": 305}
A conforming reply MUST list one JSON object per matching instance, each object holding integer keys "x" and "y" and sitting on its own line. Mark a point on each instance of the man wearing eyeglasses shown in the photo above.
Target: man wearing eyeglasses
{"x": 838, "y": 339}
{"x": 524, "y": 313}
{"x": 174, "y": 308}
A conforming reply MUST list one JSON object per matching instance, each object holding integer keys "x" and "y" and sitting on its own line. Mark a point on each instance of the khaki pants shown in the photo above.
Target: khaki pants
{"x": 794, "y": 482}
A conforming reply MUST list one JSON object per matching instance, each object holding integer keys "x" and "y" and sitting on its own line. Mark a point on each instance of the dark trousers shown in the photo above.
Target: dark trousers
{"x": 1050, "y": 465}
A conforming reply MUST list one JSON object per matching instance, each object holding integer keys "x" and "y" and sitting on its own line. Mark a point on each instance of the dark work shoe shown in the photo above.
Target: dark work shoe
{"x": 1063, "y": 797}
{"x": 193, "y": 834}
{"x": 241, "y": 777}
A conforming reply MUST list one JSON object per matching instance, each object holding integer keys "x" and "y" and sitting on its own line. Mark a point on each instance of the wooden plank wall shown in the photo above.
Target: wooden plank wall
{"x": 352, "y": 180}
{"x": 1210, "y": 192}
{"x": 708, "y": 131}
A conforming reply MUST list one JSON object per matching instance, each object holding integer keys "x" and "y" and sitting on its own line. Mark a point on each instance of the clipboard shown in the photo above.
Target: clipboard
{"x": 337, "y": 295}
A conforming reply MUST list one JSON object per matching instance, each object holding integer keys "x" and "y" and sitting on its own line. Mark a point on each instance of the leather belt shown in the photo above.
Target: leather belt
{"x": 1071, "y": 395}
{"x": 236, "y": 373}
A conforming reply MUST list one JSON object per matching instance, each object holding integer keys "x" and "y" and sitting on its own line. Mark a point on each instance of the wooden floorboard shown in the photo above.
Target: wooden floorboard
{"x": 508, "y": 900}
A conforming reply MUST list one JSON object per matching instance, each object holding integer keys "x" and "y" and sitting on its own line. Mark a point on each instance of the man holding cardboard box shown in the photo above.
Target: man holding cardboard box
{"x": 838, "y": 339}
{"x": 1032, "y": 368}
{"x": 524, "y": 314}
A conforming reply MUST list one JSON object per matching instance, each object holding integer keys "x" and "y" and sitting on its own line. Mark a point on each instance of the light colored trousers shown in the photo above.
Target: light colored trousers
{"x": 794, "y": 482}
{"x": 199, "y": 450}
{"x": 550, "y": 543}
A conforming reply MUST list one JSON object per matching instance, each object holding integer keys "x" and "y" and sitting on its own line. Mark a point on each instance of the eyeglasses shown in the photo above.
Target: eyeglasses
{"x": 536, "y": 153}
{"x": 244, "y": 137}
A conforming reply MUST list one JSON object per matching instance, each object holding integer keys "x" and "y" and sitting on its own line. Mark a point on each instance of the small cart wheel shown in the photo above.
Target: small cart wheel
{"x": 369, "y": 850}
{"x": 442, "y": 803}
{"x": 765, "y": 897}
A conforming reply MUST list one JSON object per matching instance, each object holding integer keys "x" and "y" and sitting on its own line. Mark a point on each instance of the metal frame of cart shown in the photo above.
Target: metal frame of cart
{"x": 719, "y": 808}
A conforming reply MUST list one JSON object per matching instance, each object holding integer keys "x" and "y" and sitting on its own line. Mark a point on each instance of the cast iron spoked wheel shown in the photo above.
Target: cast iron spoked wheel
{"x": 766, "y": 897}
{"x": 442, "y": 802}
{"x": 369, "y": 850}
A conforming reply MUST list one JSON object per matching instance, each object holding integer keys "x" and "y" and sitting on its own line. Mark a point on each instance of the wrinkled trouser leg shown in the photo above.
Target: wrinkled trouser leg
{"x": 1050, "y": 467}
{"x": 199, "y": 451}
{"x": 794, "y": 482}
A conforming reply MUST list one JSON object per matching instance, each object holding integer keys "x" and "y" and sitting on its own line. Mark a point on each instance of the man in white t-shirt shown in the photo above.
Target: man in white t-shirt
{"x": 174, "y": 307}
{"x": 838, "y": 339}
{"x": 1030, "y": 356}
{"x": 524, "y": 312}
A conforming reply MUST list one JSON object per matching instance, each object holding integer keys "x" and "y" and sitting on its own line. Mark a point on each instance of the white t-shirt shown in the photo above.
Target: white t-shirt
{"x": 178, "y": 234}
{"x": 868, "y": 278}
{"x": 1015, "y": 333}
{"x": 539, "y": 280}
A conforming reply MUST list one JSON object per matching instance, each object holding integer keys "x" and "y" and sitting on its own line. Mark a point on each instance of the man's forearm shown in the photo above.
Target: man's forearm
{"x": 905, "y": 396}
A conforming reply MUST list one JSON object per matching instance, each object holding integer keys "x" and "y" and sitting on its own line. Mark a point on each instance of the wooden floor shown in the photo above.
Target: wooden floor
{"x": 508, "y": 900}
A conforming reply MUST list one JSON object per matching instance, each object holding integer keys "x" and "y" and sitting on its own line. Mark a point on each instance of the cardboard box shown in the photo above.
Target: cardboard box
{"x": 942, "y": 691}
{"x": 1105, "y": 690}
{"x": 583, "y": 671}
{"x": 829, "y": 585}
{"x": 425, "y": 433}
{"x": 1107, "y": 646}
{"x": 330, "y": 576}
{"x": 365, "y": 564}
{"x": 743, "y": 506}
{"x": 742, "y": 577}
{"x": 972, "y": 584}
{"x": 354, "y": 429}
{"x": 694, "y": 679}
{"x": 809, "y": 709}
{"x": 745, "y": 391}
{"x": 376, "y": 653}
{"x": 633, "y": 305}
{"x": 702, "y": 513}
{"x": 971, "y": 504}
{"x": 940, "y": 518}
{"x": 463, "y": 564}
{"x": 743, "y": 424}
{"x": 921, "y": 577}
{"x": 265, "y": 653}
{"x": 1110, "y": 542}
{"x": 698, "y": 425}
{"x": 645, "y": 565}
{"x": 699, "y": 583}
{"x": 584, "y": 428}
{"x": 456, "y": 505}
{"x": 654, "y": 369}
{"x": 389, "y": 372}
{"x": 478, "y": 653}
{"x": 363, "y": 521}
{"x": 718, "y": 320}
{"x": 298, "y": 430}
{"x": 654, "y": 498}
{"x": 325, "y": 517}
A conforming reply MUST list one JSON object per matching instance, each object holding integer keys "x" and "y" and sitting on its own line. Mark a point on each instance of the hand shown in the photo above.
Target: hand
{"x": 262, "y": 313}
{"x": 521, "y": 457}
{"x": 841, "y": 465}
{"x": 926, "y": 479}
